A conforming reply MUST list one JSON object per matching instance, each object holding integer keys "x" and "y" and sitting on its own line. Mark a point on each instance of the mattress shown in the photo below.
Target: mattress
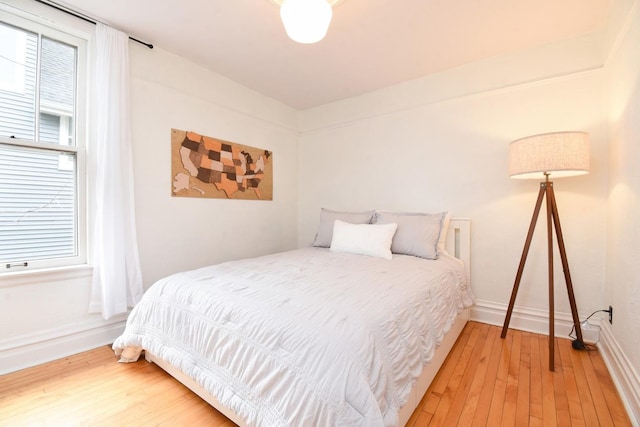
{"x": 307, "y": 337}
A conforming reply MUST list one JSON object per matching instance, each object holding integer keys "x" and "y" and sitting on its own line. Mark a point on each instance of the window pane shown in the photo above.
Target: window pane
{"x": 37, "y": 204}
{"x": 49, "y": 128}
{"x": 57, "y": 88}
{"x": 18, "y": 57}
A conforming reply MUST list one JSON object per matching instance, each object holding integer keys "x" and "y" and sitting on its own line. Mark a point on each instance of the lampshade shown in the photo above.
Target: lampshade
{"x": 306, "y": 21}
{"x": 559, "y": 154}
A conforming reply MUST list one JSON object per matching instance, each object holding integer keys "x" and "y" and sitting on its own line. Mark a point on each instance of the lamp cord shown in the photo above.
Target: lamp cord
{"x": 586, "y": 346}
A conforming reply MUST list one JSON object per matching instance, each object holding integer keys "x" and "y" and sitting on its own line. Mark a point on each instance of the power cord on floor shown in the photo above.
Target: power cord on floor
{"x": 581, "y": 345}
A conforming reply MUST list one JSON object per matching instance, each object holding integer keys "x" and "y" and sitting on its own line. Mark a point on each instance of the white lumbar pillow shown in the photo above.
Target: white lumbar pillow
{"x": 363, "y": 239}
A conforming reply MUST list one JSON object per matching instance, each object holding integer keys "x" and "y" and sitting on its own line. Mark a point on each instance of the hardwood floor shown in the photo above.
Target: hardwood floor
{"x": 488, "y": 381}
{"x": 485, "y": 381}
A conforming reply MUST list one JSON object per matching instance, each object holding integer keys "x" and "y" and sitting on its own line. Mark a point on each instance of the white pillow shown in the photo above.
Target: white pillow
{"x": 363, "y": 239}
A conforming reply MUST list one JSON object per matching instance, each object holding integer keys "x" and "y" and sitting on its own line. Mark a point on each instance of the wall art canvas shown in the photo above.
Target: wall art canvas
{"x": 202, "y": 166}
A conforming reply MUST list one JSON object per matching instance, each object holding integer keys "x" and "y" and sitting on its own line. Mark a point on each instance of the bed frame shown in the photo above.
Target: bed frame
{"x": 458, "y": 244}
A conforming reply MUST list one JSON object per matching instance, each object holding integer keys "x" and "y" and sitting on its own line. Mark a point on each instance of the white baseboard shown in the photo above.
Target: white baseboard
{"x": 622, "y": 372}
{"x": 46, "y": 346}
{"x": 532, "y": 320}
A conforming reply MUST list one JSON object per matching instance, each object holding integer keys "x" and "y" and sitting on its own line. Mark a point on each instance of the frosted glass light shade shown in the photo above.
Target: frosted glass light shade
{"x": 306, "y": 21}
{"x": 558, "y": 154}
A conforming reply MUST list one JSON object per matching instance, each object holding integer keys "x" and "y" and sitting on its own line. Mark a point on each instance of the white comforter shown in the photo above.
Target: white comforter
{"x": 303, "y": 338}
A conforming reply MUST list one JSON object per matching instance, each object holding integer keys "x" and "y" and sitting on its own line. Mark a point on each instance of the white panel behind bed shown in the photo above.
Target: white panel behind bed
{"x": 458, "y": 243}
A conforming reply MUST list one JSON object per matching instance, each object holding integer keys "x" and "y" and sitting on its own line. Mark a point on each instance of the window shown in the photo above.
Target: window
{"x": 42, "y": 172}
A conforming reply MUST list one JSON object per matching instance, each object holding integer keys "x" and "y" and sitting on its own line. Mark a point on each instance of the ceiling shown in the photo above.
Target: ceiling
{"x": 370, "y": 44}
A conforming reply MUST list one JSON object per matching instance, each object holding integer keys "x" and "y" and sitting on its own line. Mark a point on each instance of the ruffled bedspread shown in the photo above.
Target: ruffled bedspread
{"x": 303, "y": 338}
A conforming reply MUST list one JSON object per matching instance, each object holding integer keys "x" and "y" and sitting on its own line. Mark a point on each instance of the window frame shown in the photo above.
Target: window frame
{"x": 55, "y": 32}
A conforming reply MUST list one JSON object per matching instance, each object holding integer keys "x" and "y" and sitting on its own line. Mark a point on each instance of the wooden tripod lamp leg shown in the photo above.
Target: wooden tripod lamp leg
{"x": 548, "y": 186}
{"x": 523, "y": 259}
{"x": 565, "y": 267}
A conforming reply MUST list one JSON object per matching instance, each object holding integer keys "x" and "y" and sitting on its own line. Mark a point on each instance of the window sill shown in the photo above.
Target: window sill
{"x": 31, "y": 277}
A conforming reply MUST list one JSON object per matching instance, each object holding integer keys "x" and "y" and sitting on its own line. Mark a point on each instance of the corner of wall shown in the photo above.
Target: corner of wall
{"x": 624, "y": 376}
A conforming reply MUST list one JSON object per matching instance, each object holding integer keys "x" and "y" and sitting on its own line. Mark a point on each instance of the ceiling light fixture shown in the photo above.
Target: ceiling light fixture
{"x": 306, "y": 21}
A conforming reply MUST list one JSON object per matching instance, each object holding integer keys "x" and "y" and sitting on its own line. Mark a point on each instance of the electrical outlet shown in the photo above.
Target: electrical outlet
{"x": 610, "y": 314}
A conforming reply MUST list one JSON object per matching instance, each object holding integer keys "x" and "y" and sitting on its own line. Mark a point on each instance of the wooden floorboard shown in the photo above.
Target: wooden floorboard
{"x": 485, "y": 381}
{"x": 517, "y": 388}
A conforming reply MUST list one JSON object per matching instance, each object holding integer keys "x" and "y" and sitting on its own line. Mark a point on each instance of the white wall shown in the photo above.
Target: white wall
{"x": 623, "y": 268}
{"x": 44, "y": 316}
{"x": 452, "y": 155}
{"x": 179, "y": 233}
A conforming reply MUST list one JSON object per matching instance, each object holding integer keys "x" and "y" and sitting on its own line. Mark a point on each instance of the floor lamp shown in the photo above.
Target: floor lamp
{"x": 560, "y": 154}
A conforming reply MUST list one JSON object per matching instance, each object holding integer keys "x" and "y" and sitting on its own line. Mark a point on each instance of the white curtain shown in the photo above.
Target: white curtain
{"x": 117, "y": 280}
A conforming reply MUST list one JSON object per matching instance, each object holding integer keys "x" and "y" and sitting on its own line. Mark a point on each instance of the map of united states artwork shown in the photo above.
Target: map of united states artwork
{"x": 202, "y": 166}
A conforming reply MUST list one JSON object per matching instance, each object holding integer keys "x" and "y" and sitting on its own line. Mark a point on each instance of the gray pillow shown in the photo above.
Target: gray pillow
{"x": 327, "y": 218}
{"x": 418, "y": 234}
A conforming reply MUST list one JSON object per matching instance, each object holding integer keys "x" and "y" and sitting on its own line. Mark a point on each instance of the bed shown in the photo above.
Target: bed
{"x": 308, "y": 337}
